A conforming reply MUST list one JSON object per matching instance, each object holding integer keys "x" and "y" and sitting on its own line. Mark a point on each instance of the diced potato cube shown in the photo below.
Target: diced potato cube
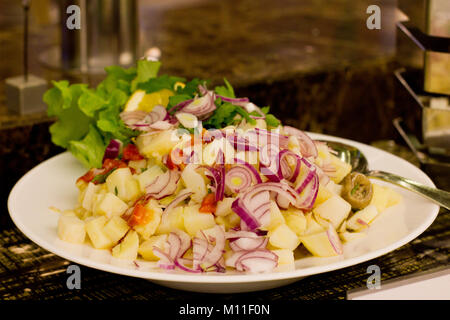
{"x": 116, "y": 228}
{"x": 148, "y": 176}
{"x": 146, "y": 248}
{"x": 109, "y": 205}
{"x": 138, "y": 165}
{"x": 230, "y": 221}
{"x": 71, "y": 229}
{"x": 284, "y": 238}
{"x": 342, "y": 169}
{"x": 171, "y": 220}
{"x": 157, "y": 145}
{"x": 380, "y": 197}
{"x": 95, "y": 230}
{"x": 334, "y": 210}
{"x": 195, "y": 220}
{"x": 82, "y": 213}
{"x": 319, "y": 244}
{"x": 285, "y": 256}
{"x": 233, "y": 220}
{"x": 128, "y": 248}
{"x": 393, "y": 197}
{"x": 276, "y": 217}
{"x": 194, "y": 182}
{"x": 312, "y": 226}
{"x": 334, "y": 187}
{"x": 351, "y": 236}
{"x": 343, "y": 226}
{"x": 122, "y": 184}
{"x": 150, "y": 227}
{"x": 89, "y": 196}
{"x": 295, "y": 220}
{"x": 362, "y": 218}
{"x": 322, "y": 195}
{"x": 224, "y": 207}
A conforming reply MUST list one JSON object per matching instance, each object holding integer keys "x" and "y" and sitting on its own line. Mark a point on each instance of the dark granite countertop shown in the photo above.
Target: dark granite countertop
{"x": 249, "y": 42}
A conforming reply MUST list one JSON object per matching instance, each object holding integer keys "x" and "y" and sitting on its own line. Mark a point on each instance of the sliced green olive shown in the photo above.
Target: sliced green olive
{"x": 357, "y": 190}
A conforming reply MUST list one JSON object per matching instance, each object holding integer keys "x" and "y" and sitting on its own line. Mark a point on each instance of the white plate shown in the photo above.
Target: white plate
{"x": 52, "y": 184}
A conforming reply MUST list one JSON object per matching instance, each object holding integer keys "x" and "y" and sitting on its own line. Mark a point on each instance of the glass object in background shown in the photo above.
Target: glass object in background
{"x": 108, "y": 36}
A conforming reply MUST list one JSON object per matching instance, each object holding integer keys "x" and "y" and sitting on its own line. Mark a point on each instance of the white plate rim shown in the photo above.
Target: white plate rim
{"x": 223, "y": 279}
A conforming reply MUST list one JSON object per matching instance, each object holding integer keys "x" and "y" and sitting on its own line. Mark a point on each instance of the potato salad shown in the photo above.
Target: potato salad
{"x": 199, "y": 180}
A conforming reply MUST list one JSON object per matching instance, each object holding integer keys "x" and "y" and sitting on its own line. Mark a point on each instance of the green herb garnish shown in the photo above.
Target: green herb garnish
{"x": 354, "y": 189}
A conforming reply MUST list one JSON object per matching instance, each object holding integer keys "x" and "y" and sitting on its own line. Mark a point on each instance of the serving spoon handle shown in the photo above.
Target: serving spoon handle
{"x": 438, "y": 196}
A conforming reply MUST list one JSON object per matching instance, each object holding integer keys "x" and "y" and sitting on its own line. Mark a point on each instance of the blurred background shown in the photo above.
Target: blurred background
{"x": 314, "y": 62}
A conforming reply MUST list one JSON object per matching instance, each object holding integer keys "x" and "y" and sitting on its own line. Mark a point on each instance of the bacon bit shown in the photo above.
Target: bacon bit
{"x": 131, "y": 152}
{"x": 209, "y": 204}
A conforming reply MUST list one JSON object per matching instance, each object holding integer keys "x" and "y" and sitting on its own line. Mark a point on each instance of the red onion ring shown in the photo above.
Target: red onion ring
{"x": 241, "y": 173}
{"x": 307, "y": 145}
{"x": 164, "y": 185}
{"x": 255, "y": 173}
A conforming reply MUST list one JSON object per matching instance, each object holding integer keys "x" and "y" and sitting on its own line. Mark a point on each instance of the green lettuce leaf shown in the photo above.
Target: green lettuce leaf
{"x": 90, "y": 149}
{"x": 162, "y": 82}
{"x": 72, "y": 124}
{"x": 145, "y": 71}
{"x": 227, "y": 91}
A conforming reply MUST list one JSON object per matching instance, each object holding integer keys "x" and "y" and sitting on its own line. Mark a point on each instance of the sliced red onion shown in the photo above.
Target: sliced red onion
{"x": 234, "y": 234}
{"x": 216, "y": 253}
{"x": 308, "y": 195}
{"x": 334, "y": 239}
{"x": 212, "y": 134}
{"x": 180, "y": 106}
{"x": 268, "y": 164}
{"x": 199, "y": 250}
{"x": 201, "y": 107}
{"x": 250, "y": 107}
{"x": 241, "y": 143}
{"x": 217, "y": 174}
{"x": 144, "y": 121}
{"x": 174, "y": 244}
{"x": 185, "y": 242}
{"x": 255, "y": 173}
{"x": 248, "y": 244}
{"x": 272, "y": 137}
{"x": 284, "y": 169}
{"x": 307, "y": 146}
{"x": 164, "y": 185}
{"x": 257, "y": 264}
{"x": 256, "y": 261}
{"x": 282, "y": 201}
{"x": 236, "y": 101}
{"x": 242, "y": 174}
{"x": 362, "y": 222}
{"x": 246, "y": 217}
{"x": 161, "y": 125}
{"x": 113, "y": 149}
{"x": 165, "y": 261}
{"x": 180, "y": 263}
{"x": 132, "y": 117}
{"x": 181, "y": 197}
{"x": 309, "y": 171}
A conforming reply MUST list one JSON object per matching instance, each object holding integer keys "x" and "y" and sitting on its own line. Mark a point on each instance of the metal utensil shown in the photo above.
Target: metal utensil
{"x": 358, "y": 161}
